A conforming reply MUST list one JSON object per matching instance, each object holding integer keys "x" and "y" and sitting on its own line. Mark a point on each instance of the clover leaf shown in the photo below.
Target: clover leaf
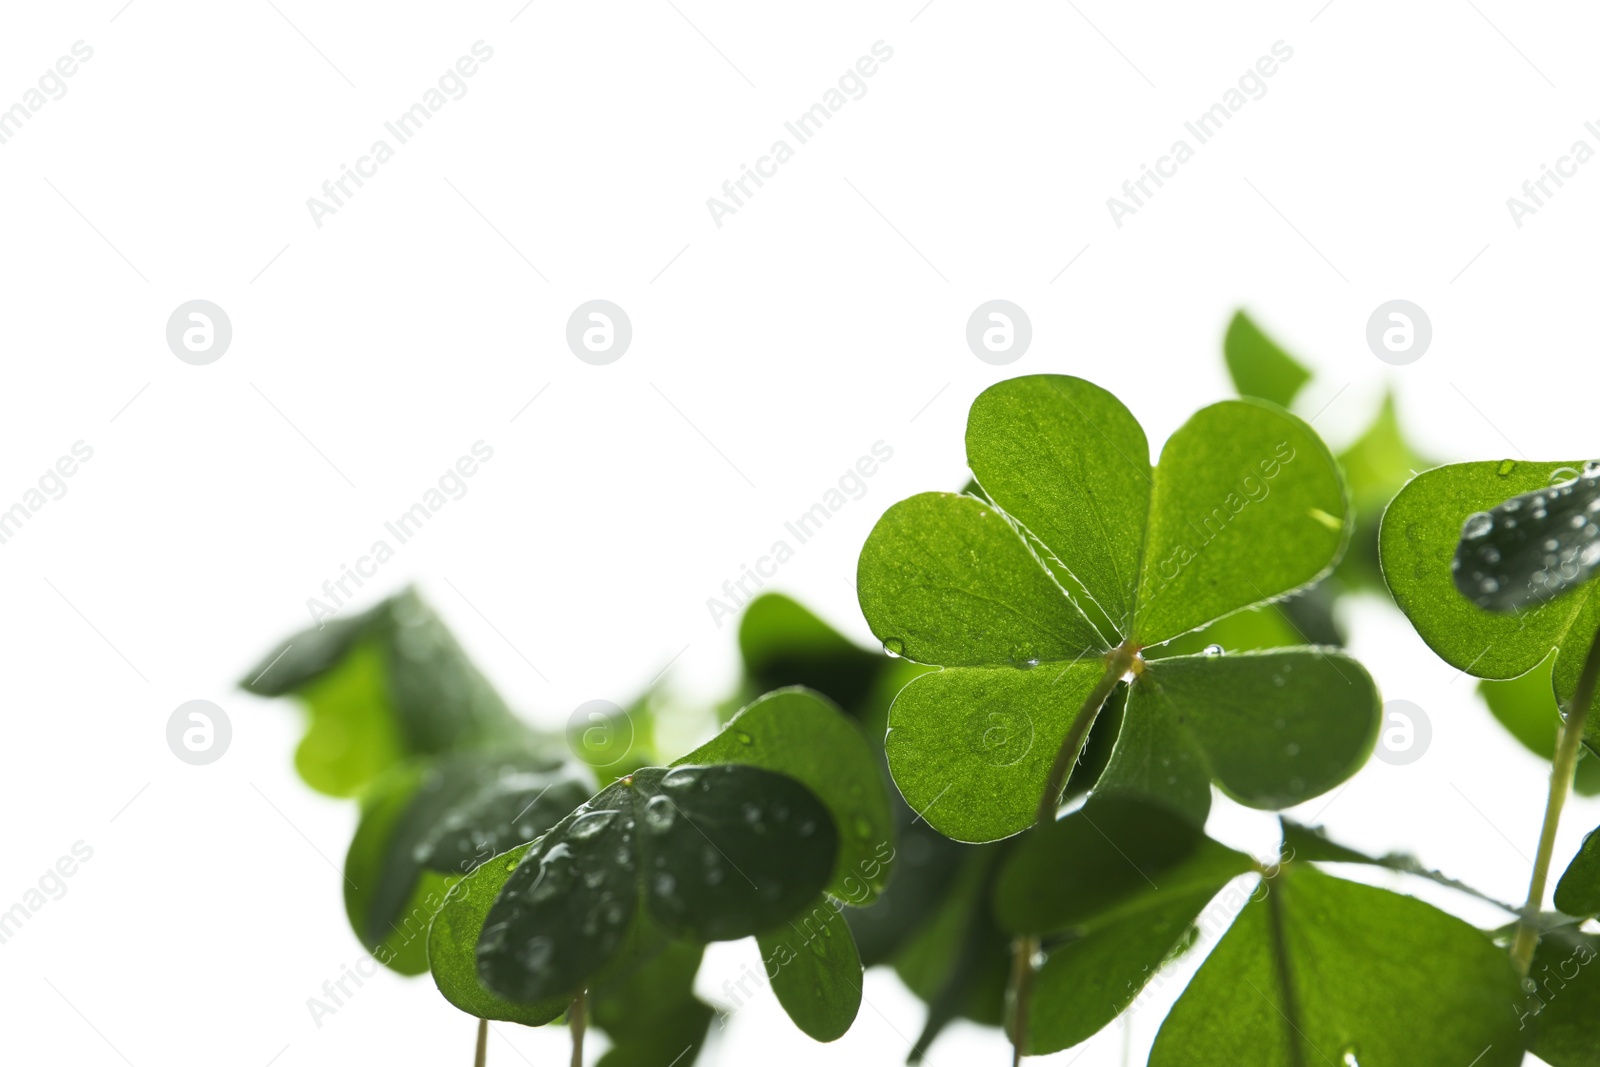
{"x": 815, "y": 970}
{"x": 805, "y": 736}
{"x": 425, "y": 824}
{"x": 1418, "y": 542}
{"x": 1086, "y": 558}
{"x": 1258, "y": 366}
{"x": 701, "y": 853}
{"x": 1118, "y": 886}
{"x": 1560, "y": 1012}
{"x": 1320, "y": 970}
{"x": 1578, "y": 892}
{"x": 382, "y": 687}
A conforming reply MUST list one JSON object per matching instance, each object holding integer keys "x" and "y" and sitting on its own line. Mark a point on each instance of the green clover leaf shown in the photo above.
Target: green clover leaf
{"x": 1087, "y": 557}
{"x": 382, "y": 687}
{"x": 426, "y": 824}
{"x": 1319, "y": 970}
{"x": 1418, "y": 542}
{"x": 700, "y": 853}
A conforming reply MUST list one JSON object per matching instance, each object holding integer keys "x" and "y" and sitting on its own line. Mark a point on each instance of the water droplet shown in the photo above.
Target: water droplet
{"x": 863, "y": 827}
{"x": 1490, "y": 554}
{"x": 536, "y": 953}
{"x": 680, "y": 778}
{"x": 422, "y": 853}
{"x": 593, "y": 878}
{"x": 752, "y": 817}
{"x": 659, "y": 812}
{"x": 1347, "y": 1057}
{"x": 1506, "y": 467}
{"x": 807, "y": 828}
{"x": 1291, "y": 749}
{"x": 664, "y": 884}
{"x": 819, "y": 946}
{"x": 742, "y": 737}
{"x": 1211, "y": 650}
{"x": 1477, "y": 525}
{"x": 1591, "y": 469}
{"x": 586, "y": 826}
{"x": 893, "y": 646}
{"x": 493, "y": 938}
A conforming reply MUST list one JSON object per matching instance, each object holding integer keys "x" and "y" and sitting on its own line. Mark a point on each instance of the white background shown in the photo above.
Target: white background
{"x": 768, "y": 354}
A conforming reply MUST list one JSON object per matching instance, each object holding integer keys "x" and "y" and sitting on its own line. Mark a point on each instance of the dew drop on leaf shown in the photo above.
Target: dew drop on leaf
{"x": 536, "y": 953}
{"x": 1211, "y": 650}
{"x": 586, "y": 826}
{"x": 742, "y": 737}
{"x": 893, "y": 646}
{"x": 680, "y": 778}
{"x": 1476, "y": 526}
{"x": 659, "y": 812}
{"x": 863, "y": 827}
{"x": 1506, "y": 467}
{"x": 664, "y": 884}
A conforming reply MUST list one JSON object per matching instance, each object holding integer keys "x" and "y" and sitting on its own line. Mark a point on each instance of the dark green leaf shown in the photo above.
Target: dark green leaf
{"x": 960, "y": 961}
{"x": 1271, "y": 728}
{"x": 1578, "y": 892}
{"x": 782, "y": 644}
{"x": 382, "y": 687}
{"x": 1258, "y": 366}
{"x": 446, "y": 817}
{"x": 1323, "y": 971}
{"x": 815, "y": 971}
{"x": 452, "y": 947}
{"x": 1532, "y": 548}
{"x": 710, "y": 853}
{"x": 971, "y": 748}
{"x": 650, "y": 1012}
{"x": 1111, "y": 855}
{"x": 1561, "y": 1017}
{"x": 805, "y": 736}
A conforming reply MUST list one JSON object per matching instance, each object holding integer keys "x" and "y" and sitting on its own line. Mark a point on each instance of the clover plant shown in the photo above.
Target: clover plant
{"x": 1085, "y": 651}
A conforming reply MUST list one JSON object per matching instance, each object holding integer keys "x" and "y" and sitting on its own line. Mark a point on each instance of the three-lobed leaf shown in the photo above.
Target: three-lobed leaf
{"x": 1246, "y": 505}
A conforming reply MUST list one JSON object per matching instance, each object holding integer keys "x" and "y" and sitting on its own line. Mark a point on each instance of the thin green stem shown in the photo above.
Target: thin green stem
{"x": 1561, "y": 770}
{"x": 481, "y": 1056}
{"x": 1023, "y": 949}
{"x": 576, "y": 1022}
{"x": 1117, "y": 664}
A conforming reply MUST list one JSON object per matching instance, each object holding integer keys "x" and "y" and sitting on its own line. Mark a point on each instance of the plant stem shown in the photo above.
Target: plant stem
{"x": 1022, "y": 953}
{"x": 481, "y": 1056}
{"x": 576, "y": 1022}
{"x": 1561, "y": 770}
{"x": 1121, "y": 659}
{"x": 1118, "y": 663}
